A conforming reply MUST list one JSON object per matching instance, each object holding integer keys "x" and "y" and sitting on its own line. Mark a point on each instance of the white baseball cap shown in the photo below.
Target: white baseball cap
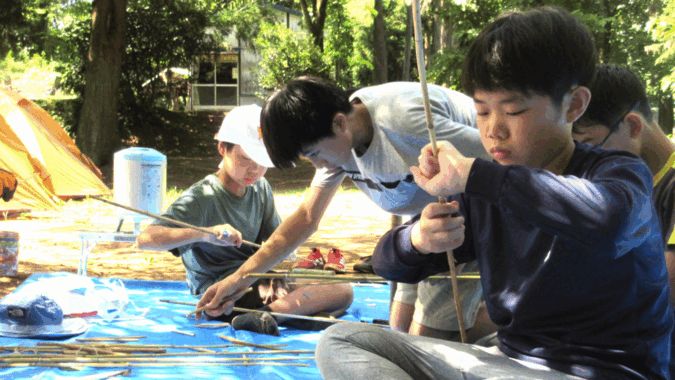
{"x": 241, "y": 126}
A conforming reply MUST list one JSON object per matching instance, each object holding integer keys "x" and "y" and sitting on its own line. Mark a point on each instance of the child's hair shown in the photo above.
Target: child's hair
{"x": 615, "y": 91}
{"x": 298, "y": 115}
{"x": 545, "y": 51}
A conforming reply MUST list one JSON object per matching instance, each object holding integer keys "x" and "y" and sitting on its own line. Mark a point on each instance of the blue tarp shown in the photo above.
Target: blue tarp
{"x": 146, "y": 316}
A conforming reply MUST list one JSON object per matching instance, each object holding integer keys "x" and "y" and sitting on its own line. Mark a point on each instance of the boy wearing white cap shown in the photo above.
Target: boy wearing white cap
{"x": 236, "y": 203}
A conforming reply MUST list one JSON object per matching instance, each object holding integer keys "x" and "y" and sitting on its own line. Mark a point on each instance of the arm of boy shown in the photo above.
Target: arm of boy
{"x": 163, "y": 238}
{"x": 444, "y": 175}
{"x": 292, "y": 232}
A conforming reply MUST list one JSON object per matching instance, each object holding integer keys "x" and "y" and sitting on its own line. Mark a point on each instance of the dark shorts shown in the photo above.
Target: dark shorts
{"x": 258, "y": 296}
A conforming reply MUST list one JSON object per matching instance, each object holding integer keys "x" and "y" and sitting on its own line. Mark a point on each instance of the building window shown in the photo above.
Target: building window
{"x": 217, "y": 82}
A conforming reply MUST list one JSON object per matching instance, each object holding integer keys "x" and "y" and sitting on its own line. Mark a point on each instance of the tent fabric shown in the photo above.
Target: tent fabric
{"x": 42, "y": 156}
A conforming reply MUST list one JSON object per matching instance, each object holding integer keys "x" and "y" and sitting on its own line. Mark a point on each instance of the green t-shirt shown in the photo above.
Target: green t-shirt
{"x": 206, "y": 204}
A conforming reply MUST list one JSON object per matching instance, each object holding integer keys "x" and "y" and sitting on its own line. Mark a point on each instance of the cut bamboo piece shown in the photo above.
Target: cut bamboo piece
{"x": 187, "y": 333}
{"x": 248, "y": 344}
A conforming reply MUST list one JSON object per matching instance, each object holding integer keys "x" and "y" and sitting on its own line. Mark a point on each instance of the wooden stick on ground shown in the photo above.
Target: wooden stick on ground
{"x": 165, "y": 219}
{"x": 273, "y": 313}
{"x": 419, "y": 49}
{"x": 351, "y": 278}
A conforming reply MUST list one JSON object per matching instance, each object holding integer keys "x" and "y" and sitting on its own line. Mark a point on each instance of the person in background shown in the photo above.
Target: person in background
{"x": 236, "y": 204}
{"x": 619, "y": 117}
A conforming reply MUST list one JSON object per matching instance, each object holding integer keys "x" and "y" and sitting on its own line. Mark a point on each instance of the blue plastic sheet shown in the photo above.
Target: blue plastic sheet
{"x": 146, "y": 316}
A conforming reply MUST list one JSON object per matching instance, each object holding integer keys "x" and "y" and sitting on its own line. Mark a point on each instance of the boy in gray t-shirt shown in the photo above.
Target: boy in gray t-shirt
{"x": 372, "y": 137}
{"x": 237, "y": 204}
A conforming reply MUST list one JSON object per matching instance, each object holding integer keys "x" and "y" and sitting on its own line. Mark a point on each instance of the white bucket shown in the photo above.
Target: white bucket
{"x": 139, "y": 180}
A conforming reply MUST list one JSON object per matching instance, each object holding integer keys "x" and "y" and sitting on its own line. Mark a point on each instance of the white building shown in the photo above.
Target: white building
{"x": 225, "y": 79}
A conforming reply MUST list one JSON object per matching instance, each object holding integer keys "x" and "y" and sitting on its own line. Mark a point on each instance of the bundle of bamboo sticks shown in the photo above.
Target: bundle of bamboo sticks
{"x": 107, "y": 353}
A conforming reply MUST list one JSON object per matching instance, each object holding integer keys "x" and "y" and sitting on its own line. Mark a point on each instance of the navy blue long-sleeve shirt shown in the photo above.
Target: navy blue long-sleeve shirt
{"x": 571, "y": 265}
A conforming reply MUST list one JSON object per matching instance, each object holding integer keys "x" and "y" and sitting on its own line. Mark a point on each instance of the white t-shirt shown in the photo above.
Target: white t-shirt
{"x": 399, "y": 133}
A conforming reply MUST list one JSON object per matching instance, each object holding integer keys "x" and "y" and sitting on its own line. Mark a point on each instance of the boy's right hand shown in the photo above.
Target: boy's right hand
{"x": 438, "y": 230}
{"x": 224, "y": 235}
{"x": 444, "y": 175}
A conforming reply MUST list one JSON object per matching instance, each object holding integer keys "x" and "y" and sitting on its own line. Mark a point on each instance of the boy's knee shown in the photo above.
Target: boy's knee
{"x": 346, "y": 293}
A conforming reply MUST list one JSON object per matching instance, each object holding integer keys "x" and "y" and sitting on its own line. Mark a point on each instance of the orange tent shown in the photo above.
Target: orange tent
{"x": 42, "y": 156}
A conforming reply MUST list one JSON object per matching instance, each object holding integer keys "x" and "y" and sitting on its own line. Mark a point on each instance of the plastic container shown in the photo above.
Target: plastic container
{"x": 9, "y": 253}
{"x": 139, "y": 181}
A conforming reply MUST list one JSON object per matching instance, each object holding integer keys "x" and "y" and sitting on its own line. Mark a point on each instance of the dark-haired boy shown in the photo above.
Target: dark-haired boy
{"x": 373, "y": 137}
{"x": 565, "y": 236}
{"x": 619, "y": 117}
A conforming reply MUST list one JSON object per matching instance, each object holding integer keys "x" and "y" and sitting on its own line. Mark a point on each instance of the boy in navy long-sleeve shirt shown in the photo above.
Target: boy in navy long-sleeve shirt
{"x": 567, "y": 241}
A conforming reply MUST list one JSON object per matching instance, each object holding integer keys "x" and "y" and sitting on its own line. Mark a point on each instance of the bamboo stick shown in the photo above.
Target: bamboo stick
{"x": 198, "y": 357}
{"x": 165, "y": 219}
{"x": 212, "y": 325}
{"x": 419, "y": 49}
{"x": 248, "y": 344}
{"x": 186, "y": 333}
{"x": 111, "y": 338}
{"x": 78, "y": 366}
{"x": 270, "y": 350}
{"x": 273, "y": 313}
{"x": 351, "y": 278}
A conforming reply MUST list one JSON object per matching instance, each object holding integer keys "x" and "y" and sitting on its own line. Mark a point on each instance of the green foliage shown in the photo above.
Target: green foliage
{"x": 663, "y": 31}
{"x": 338, "y": 43}
{"x": 286, "y": 54}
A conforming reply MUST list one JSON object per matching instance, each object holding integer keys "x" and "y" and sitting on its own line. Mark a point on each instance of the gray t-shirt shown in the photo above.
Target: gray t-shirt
{"x": 206, "y": 204}
{"x": 399, "y": 133}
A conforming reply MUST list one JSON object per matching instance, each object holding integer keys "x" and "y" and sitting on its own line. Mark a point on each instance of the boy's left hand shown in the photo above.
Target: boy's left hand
{"x": 438, "y": 229}
{"x": 445, "y": 175}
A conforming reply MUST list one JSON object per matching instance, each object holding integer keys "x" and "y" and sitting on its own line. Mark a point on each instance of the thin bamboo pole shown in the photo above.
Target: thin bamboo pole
{"x": 351, "y": 278}
{"x": 78, "y": 366}
{"x": 165, "y": 219}
{"x": 419, "y": 49}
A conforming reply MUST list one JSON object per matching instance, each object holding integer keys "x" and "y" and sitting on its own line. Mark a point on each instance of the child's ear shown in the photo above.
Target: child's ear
{"x": 579, "y": 100}
{"x": 339, "y": 123}
{"x": 221, "y": 148}
{"x": 635, "y": 124}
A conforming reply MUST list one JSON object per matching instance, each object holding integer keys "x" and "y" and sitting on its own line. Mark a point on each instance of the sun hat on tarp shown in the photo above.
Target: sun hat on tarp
{"x": 37, "y": 317}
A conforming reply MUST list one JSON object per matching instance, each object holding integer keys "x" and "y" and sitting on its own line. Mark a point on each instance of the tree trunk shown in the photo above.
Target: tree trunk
{"x": 666, "y": 114}
{"x": 407, "y": 51}
{"x": 315, "y": 20}
{"x": 380, "y": 44}
{"x": 98, "y": 136}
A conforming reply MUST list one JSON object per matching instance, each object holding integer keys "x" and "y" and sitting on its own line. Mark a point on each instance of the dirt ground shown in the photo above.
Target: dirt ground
{"x": 50, "y": 240}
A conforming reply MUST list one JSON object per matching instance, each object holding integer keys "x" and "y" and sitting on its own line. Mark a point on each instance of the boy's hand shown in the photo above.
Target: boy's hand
{"x": 8, "y": 184}
{"x": 444, "y": 176}
{"x": 437, "y": 230}
{"x": 220, "y": 297}
{"x": 224, "y": 235}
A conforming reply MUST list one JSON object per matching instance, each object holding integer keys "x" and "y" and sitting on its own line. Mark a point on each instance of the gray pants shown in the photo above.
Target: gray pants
{"x": 358, "y": 351}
